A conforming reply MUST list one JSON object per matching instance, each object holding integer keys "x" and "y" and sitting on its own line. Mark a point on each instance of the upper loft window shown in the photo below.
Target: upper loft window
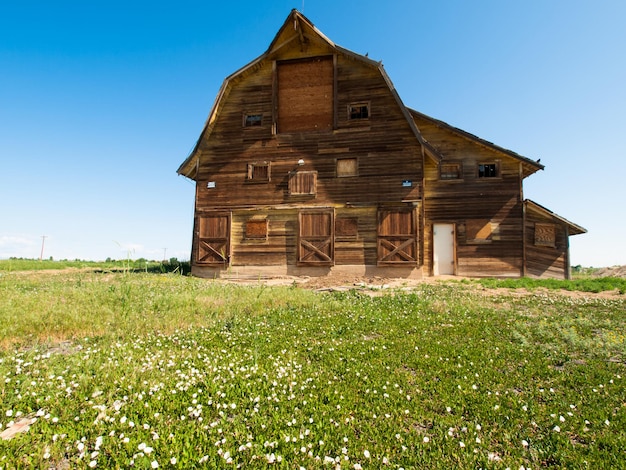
{"x": 305, "y": 95}
{"x": 358, "y": 111}
{"x": 252, "y": 120}
{"x": 258, "y": 172}
{"x": 488, "y": 170}
{"x": 450, "y": 171}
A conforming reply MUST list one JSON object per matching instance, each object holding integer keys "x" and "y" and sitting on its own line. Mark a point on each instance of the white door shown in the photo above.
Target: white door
{"x": 443, "y": 251}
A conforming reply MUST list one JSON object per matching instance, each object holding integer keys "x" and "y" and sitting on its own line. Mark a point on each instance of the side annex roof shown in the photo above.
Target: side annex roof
{"x": 573, "y": 229}
{"x": 530, "y": 166}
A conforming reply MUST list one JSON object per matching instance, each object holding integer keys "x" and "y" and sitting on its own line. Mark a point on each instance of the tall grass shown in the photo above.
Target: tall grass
{"x": 165, "y": 371}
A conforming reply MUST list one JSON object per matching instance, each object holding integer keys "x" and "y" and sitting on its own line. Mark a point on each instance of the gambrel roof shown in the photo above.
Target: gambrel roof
{"x": 296, "y": 28}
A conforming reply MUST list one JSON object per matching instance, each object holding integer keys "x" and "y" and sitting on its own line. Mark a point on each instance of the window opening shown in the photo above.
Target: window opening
{"x": 359, "y": 111}
{"x": 258, "y": 172}
{"x": 487, "y": 170}
{"x": 252, "y": 120}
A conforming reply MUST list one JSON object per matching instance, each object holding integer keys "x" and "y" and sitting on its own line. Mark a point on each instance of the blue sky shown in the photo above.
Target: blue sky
{"x": 100, "y": 102}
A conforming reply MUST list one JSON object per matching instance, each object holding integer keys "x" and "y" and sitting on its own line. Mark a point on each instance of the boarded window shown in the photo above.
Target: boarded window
{"x": 347, "y": 227}
{"x": 258, "y": 172}
{"x": 252, "y": 120}
{"x": 450, "y": 171}
{"x": 256, "y": 228}
{"x": 487, "y": 170}
{"x": 545, "y": 235}
{"x": 305, "y": 95}
{"x": 347, "y": 167}
{"x": 478, "y": 230}
{"x": 358, "y": 111}
{"x": 303, "y": 183}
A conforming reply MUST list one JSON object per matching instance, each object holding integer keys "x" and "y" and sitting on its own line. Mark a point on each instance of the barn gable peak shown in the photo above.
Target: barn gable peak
{"x": 297, "y": 29}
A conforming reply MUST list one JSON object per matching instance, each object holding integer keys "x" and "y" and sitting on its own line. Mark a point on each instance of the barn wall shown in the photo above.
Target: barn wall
{"x": 546, "y": 261}
{"x": 492, "y": 202}
{"x": 355, "y": 244}
{"x": 384, "y": 155}
{"x": 386, "y": 150}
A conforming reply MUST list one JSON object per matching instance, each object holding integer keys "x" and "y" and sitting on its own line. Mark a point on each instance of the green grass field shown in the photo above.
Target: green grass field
{"x": 120, "y": 369}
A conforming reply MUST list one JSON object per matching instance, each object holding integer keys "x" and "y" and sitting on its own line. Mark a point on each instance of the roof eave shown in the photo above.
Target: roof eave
{"x": 530, "y": 165}
{"x": 573, "y": 229}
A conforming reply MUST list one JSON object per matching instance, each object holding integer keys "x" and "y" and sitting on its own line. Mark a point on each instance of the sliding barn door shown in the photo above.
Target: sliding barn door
{"x": 214, "y": 239}
{"x": 397, "y": 237}
{"x": 316, "y": 238}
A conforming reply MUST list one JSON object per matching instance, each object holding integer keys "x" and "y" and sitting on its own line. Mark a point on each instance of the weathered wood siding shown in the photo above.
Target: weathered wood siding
{"x": 280, "y": 247}
{"x": 542, "y": 260}
{"x": 385, "y": 167}
{"x": 496, "y": 202}
{"x": 387, "y": 152}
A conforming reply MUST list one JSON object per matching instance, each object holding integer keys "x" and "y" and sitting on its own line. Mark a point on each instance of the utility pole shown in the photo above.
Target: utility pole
{"x": 43, "y": 241}
{"x": 164, "y": 252}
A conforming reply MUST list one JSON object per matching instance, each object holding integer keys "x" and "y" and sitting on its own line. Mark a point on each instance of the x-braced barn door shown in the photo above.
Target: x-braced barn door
{"x": 397, "y": 237}
{"x": 316, "y": 238}
{"x": 214, "y": 239}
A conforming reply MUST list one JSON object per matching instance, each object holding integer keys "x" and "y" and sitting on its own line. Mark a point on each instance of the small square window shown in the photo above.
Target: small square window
{"x": 346, "y": 227}
{"x": 256, "y": 228}
{"x": 347, "y": 167}
{"x": 450, "y": 171}
{"x": 252, "y": 120}
{"x": 545, "y": 235}
{"x": 488, "y": 170}
{"x": 478, "y": 230}
{"x": 259, "y": 172}
{"x": 359, "y": 111}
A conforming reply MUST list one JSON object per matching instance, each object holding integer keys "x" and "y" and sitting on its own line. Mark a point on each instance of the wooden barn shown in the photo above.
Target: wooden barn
{"x": 310, "y": 164}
